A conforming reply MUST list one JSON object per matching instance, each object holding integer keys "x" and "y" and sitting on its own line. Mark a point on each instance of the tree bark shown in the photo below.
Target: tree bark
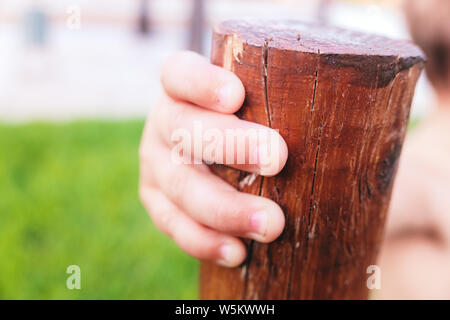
{"x": 341, "y": 100}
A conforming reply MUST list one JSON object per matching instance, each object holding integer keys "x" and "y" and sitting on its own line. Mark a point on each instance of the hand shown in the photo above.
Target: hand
{"x": 415, "y": 257}
{"x": 204, "y": 215}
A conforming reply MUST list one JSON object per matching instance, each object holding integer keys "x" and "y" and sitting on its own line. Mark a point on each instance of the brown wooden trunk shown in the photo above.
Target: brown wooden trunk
{"x": 341, "y": 100}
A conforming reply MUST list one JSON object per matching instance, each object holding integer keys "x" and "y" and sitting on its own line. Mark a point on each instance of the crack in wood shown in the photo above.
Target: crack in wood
{"x": 316, "y": 159}
{"x": 264, "y": 73}
{"x": 314, "y": 93}
{"x": 250, "y": 251}
{"x": 265, "y": 54}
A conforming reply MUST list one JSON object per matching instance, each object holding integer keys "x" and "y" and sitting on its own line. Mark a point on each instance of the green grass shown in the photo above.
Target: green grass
{"x": 68, "y": 195}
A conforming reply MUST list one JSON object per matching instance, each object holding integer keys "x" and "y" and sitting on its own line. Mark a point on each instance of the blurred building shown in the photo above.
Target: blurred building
{"x": 104, "y": 68}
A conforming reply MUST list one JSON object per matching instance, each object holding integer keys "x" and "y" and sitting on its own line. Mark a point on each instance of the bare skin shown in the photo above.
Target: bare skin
{"x": 415, "y": 257}
{"x": 206, "y": 217}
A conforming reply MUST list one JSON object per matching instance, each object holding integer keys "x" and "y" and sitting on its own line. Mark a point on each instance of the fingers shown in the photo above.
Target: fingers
{"x": 201, "y": 212}
{"x": 195, "y": 239}
{"x": 190, "y": 77}
{"x": 210, "y": 201}
{"x": 219, "y": 138}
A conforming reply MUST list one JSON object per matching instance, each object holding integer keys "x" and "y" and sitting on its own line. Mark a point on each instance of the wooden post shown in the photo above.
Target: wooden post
{"x": 341, "y": 100}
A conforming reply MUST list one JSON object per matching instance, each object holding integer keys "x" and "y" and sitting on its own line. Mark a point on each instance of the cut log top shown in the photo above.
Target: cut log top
{"x": 317, "y": 38}
{"x": 336, "y": 46}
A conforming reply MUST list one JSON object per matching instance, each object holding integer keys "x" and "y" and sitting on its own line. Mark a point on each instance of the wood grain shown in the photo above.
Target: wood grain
{"x": 341, "y": 100}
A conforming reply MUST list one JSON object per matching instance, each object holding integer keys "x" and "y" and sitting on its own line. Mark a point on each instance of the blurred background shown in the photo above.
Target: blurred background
{"x": 77, "y": 78}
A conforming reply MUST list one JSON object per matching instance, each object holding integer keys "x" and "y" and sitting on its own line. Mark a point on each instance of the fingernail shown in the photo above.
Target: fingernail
{"x": 258, "y": 223}
{"x": 224, "y": 95}
{"x": 226, "y": 254}
{"x": 263, "y": 155}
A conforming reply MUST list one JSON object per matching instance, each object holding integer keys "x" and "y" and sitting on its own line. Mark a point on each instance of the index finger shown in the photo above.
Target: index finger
{"x": 190, "y": 77}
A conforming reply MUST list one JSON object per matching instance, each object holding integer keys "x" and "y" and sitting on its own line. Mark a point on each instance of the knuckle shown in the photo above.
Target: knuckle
{"x": 146, "y": 197}
{"x": 156, "y": 115}
{"x": 178, "y": 118}
{"x": 166, "y": 67}
{"x": 206, "y": 251}
{"x": 172, "y": 62}
{"x": 178, "y": 184}
{"x": 145, "y": 156}
{"x": 166, "y": 223}
{"x": 147, "y": 142}
{"x": 161, "y": 217}
{"x": 219, "y": 214}
{"x": 229, "y": 218}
